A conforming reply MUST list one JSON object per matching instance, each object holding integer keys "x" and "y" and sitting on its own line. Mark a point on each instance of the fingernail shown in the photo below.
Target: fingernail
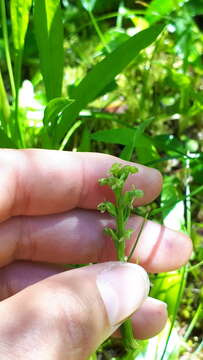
{"x": 159, "y": 303}
{"x": 123, "y": 288}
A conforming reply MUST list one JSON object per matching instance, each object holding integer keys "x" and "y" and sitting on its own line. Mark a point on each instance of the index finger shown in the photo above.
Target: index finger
{"x": 39, "y": 182}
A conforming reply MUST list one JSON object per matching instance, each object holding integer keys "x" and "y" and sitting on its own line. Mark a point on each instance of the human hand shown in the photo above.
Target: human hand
{"x": 48, "y": 218}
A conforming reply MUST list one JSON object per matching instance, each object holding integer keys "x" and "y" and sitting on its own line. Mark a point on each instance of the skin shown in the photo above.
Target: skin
{"x": 48, "y": 219}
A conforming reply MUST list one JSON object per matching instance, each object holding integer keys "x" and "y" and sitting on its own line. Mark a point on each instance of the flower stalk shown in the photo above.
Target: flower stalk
{"x": 121, "y": 210}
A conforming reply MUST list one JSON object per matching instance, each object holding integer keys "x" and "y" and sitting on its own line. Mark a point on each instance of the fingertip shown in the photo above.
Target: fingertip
{"x": 185, "y": 245}
{"x": 152, "y": 184}
{"x": 150, "y": 319}
{"x": 162, "y": 249}
{"x": 178, "y": 244}
{"x": 123, "y": 288}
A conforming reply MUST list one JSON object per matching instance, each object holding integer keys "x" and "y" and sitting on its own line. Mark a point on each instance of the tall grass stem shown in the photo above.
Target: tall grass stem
{"x": 17, "y": 72}
{"x": 98, "y": 31}
{"x": 7, "y": 49}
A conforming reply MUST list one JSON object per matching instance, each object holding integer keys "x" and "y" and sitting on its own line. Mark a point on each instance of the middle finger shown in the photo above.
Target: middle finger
{"x": 77, "y": 237}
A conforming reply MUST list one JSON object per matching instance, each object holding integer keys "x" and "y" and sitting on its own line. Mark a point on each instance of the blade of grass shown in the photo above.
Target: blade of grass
{"x": 4, "y": 106}
{"x": 19, "y": 10}
{"x": 127, "y": 152}
{"x": 197, "y": 315}
{"x": 70, "y": 133}
{"x": 7, "y": 49}
{"x": 17, "y": 73}
{"x": 191, "y": 268}
{"x": 184, "y": 270}
{"x": 98, "y": 31}
{"x": 179, "y": 297}
{"x": 49, "y": 37}
{"x": 120, "y": 15}
{"x": 197, "y": 351}
{"x": 103, "y": 73}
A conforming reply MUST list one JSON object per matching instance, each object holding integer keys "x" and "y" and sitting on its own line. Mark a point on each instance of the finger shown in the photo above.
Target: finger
{"x": 70, "y": 313}
{"x": 150, "y": 318}
{"x": 35, "y": 182}
{"x": 147, "y": 321}
{"x": 78, "y": 237}
{"x": 20, "y": 274}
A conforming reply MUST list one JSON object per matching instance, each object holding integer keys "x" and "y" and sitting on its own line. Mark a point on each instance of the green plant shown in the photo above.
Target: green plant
{"x": 121, "y": 211}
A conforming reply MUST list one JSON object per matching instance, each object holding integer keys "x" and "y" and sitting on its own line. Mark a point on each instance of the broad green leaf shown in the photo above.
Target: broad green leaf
{"x": 5, "y": 141}
{"x": 129, "y": 148}
{"x": 166, "y": 288}
{"x": 169, "y": 144}
{"x": 49, "y": 36}
{"x": 160, "y": 8}
{"x": 124, "y": 136}
{"x": 88, "y": 4}
{"x": 114, "y": 136}
{"x": 19, "y": 19}
{"x": 146, "y": 152}
{"x": 53, "y": 110}
{"x": 103, "y": 73}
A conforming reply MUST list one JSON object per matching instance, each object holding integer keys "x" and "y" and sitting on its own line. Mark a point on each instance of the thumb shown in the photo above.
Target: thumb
{"x": 68, "y": 315}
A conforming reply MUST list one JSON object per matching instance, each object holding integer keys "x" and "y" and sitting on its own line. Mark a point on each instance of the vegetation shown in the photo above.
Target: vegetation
{"x": 125, "y": 78}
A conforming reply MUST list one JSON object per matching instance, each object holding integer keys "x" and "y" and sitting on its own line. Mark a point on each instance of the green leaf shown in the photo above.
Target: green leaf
{"x": 53, "y": 110}
{"x": 49, "y": 36}
{"x": 145, "y": 150}
{"x": 88, "y": 4}
{"x": 103, "y": 73}
{"x": 132, "y": 138}
{"x": 4, "y": 104}
{"x": 5, "y": 141}
{"x": 114, "y": 136}
{"x": 161, "y": 8}
{"x": 19, "y": 10}
{"x": 166, "y": 287}
{"x": 169, "y": 144}
{"x": 127, "y": 152}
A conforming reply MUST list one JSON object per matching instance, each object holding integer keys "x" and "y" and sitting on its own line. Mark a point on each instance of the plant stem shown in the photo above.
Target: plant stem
{"x": 138, "y": 237}
{"x": 120, "y": 228}
{"x": 69, "y": 134}
{"x": 119, "y": 19}
{"x": 127, "y": 335}
{"x": 98, "y": 31}
{"x": 18, "y": 64}
{"x": 191, "y": 268}
{"x": 126, "y": 327}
